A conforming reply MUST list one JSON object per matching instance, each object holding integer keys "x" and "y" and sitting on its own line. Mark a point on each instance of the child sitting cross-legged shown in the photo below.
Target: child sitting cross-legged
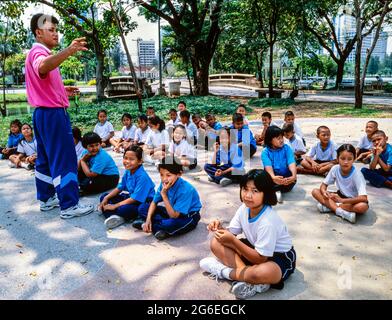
{"x": 181, "y": 210}
{"x": 14, "y": 137}
{"x": 365, "y": 145}
{"x": 265, "y": 257}
{"x": 294, "y": 141}
{"x": 104, "y": 128}
{"x": 97, "y": 171}
{"x": 26, "y": 152}
{"x": 135, "y": 188}
{"x": 127, "y": 134}
{"x": 351, "y": 197}
{"x": 182, "y": 149}
{"x": 245, "y": 138}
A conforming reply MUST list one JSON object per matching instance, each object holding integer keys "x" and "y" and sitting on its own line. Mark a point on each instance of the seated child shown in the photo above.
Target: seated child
{"x": 351, "y": 197}
{"x": 191, "y": 129}
{"x": 143, "y": 130}
{"x": 365, "y": 145}
{"x": 265, "y": 257}
{"x": 289, "y": 117}
{"x": 181, "y": 149}
{"x": 181, "y": 210}
{"x": 381, "y": 156}
{"x": 174, "y": 120}
{"x": 227, "y": 164}
{"x": 241, "y": 109}
{"x": 157, "y": 141}
{"x": 266, "y": 119}
{"x": 14, "y": 137}
{"x": 278, "y": 160}
{"x": 294, "y": 141}
{"x": 127, "y": 134}
{"x": 150, "y": 112}
{"x": 104, "y": 128}
{"x": 321, "y": 157}
{"x": 181, "y": 106}
{"x": 77, "y": 136}
{"x": 135, "y": 188}
{"x": 26, "y": 152}
{"x": 197, "y": 120}
{"x": 245, "y": 139}
{"x": 97, "y": 171}
{"x": 211, "y": 128}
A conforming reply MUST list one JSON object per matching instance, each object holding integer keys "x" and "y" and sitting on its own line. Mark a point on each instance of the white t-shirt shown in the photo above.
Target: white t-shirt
{"x": 156, "y": 138}
{"x": 351, "y": 186}
{"x": 103, "y": 130}
{"x": 79, "y": 150}
{"x": 141, "y": 136}
{"x": 28, "y": 148}
{"x": 317, "y": 153}
{"x": 128, "y": 134}
{"x": 184, "y": 148}
{"x": 296, "y": 143}
{"x": 365, "y": 143}
{"x": 266, "y": 232}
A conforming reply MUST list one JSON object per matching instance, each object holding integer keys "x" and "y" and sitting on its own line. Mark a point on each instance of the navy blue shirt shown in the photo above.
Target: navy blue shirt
{"x": 183, "y": 197}
{"x": 278, "y": 159}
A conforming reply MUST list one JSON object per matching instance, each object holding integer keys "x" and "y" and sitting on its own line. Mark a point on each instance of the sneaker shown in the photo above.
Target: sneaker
{"x": 279, "y": 196}
{"x": 50, "y": 204}
{"x": 225, "y": 182}
{"x": 11, "y": 164}
{"x": 243, "y": 290}
{"x": 138, "y": 224}
{"x": 76, "y": 211}
{"x": 211, "y": 179}
{"x": 346, "y": 215}
{"x": 323, "y": 209}
{"x": 212, "y": 266}
{"x": 24, "y": 165}
{"x": 114, "y": 221}
{"x": 161, "y": 235}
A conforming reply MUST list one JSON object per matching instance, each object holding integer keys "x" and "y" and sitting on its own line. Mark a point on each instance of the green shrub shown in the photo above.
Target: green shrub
{"x": 69, "y": 82}
{"x": 92, "y": 82}
{"x": 388, "y": 87}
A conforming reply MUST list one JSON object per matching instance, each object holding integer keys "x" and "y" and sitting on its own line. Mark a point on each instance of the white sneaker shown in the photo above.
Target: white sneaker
{"x": 210, "y": 179}
{"x": 114, "y": 221}
{"x": 212, "y": 266}
{"x": 279, "y": 196}
{"x": 76, "y": 211}
{"x": 225, "y": 182}
{"x": 11, "y": 164}
{"x": 349, "y": 216}
{"x": 323, "y": 209}
{"x": 243, "y": 290}
{"x": 50, "y": 204}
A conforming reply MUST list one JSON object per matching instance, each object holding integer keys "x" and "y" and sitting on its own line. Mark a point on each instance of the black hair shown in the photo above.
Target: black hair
{"x": 16, "y": 122}
{"x": 32, "y": 131}
{"x": 171, "y": 164}
{"x": 267, "y": 115}
{"x": 137, "y": 150}
{"x": 181, "y": 127}
{"x": 270, "y": 133}
{"x": 150, "y": 108}
{"x": 102, "y": 111}
{"x": 143, "y": 118}
{"x": 77, "y": 134}
{"x": 39, "y": 19}
{"x": 346, "y": 147}
{"x": 154, "y": 120}
{"x": 185, "y": 114}
{"x": 210, "y": 115}
{"x": 172, "y": 110}
{"x": 241, "y": 105}
{"x": 263, "y": 182}
{"x": 288, "y": 127}
{"x": 181, "y": 102}
{"x": 380, "y": 133}
{"x": 126, "y": 115}
{"x": 90, "y": 138}
{"x": 196, "y": 115}
{"x": 322, "y": 128}
{"x": 374, "y": 122}
{"x": 289, "y": 114}
{"x": 237, "y": 117}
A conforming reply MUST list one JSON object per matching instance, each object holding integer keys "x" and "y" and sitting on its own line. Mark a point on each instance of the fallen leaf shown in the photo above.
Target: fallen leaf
{"x": 84, "y": 273}
{"x": 110, "y": 230}
{"x": 33, "y": 274}
{"x": 19, "y": 245}
{"x": 118, "y": 281}
{"x": 354, "y": 257}
{"x": 318, "y": 247}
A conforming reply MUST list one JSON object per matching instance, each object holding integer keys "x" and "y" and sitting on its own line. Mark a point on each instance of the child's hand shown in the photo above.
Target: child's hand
{"x": 378, "y": 150}
{"x": 109, "y": 207}
{"x": 218, "y": 173}
{"x": 166, "y": 187}
{"x": 216, "y": 146}
{"x": 214, "y": 225}
{"x": 103, "y": 144}
{"x": 147, "y": 226}
{"x": 224, "y": 236}
{"x": 279, "y": 180}
{"x": 5, "y": 150}
{"x": 315, "y": 166}
{"x": 326, "y": 195}
{"x": 336, "y": 198}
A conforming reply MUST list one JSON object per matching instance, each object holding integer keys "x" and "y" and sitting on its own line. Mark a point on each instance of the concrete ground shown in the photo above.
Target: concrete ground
{"x": 45, "y": 257}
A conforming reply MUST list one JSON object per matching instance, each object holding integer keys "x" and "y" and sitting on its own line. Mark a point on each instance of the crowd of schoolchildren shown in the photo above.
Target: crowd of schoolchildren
{"x": 266, "y": 256}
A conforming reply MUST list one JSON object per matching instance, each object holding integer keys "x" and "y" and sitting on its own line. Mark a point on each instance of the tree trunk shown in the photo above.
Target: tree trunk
{"x": 271, "y": 70}
{"x": 3, "y": 109}
{"x": 200, "y": 65}
{"x": 358, "y": 84}
{"x": 189, "y": 80}
{"x": 100, "y": 78}
{"x": 340, "y": 72}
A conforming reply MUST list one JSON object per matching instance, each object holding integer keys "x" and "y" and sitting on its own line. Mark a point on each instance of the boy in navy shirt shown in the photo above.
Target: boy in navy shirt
{"x": 382, "y": 156}
{"x": 246, "y": 141}
{"x": 97, "y": 171}
{"x": 181, "y": 211}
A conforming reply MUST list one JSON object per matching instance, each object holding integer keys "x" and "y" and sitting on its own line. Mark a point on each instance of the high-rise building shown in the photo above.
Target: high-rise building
{"x": 146, "y": 52}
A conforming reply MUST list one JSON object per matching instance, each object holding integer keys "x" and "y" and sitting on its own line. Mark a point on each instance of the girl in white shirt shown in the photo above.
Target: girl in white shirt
{"x": 182, "y": 149}
{"x": 266, "y": 257}
{"x": 104, "y": 128}
{"x": 26, "y": 150}
{"x": 127, "y": 134}
{"x": 157, "y": 141}
{"x": 143, "y": 130}
{"x": 351, "y": 197}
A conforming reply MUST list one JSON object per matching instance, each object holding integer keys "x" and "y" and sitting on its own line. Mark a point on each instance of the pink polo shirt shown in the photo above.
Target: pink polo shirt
{"x": 43, "y": 92}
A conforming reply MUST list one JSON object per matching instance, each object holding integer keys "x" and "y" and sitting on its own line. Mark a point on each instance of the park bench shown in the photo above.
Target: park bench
{"x": 123, "y": 87}
{"x": 262, "y": 93}
{"x": 238, "y": 80}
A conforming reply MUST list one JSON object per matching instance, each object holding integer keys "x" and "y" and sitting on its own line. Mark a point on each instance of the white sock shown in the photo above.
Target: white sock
{"x": 226, "y": 273}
